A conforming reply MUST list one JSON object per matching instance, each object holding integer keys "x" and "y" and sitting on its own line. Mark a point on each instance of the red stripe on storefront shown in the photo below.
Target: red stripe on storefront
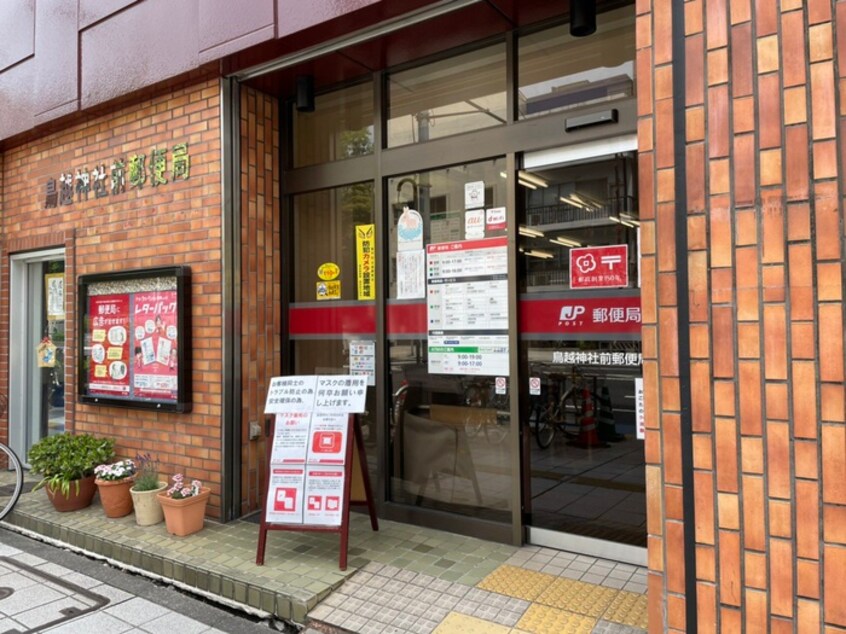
{"x": 593, "y": 315}
{"x": 356, "y": 320}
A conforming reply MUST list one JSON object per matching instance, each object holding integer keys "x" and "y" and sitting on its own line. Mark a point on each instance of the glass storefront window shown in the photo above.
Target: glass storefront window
{"x": 580, "y": 319}
{"x": 340, "y": 127}
{"x": 463, "y": 93}
{"x": 332, "y": 322}
{"x": 558, "y": 72}
{"x": 448, "y": 374}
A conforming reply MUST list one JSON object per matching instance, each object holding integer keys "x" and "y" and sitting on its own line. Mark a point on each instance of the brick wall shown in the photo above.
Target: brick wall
{"x": 261, "y": 303}
{"x": 763, "y": 110}
{"x": 174, "y": 224}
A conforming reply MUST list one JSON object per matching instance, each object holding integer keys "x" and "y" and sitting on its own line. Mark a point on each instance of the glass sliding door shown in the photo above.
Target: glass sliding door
{"x": 581, "y": 351}
{"x": 37, "y": 348}
{"x": 447, "y": 325}
{"x": 332, "y": 316}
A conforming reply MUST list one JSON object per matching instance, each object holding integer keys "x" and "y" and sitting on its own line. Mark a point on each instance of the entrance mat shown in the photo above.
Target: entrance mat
{"x": 34, "y": 600}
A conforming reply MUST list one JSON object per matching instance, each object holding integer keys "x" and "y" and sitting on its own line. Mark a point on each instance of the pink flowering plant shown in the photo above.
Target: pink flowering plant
{"x": 180, "y": 490}
{"x": 115, "y": 471}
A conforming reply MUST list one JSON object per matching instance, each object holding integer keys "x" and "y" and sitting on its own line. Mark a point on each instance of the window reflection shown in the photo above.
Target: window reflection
{"x": 558, "y": 72}
{"x": 463, "y": 93}
{"x": 340, "y": 127}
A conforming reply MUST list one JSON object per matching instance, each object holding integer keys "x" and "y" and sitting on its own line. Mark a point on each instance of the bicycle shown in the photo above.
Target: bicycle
{"x": 564, "y": 412}
{"x": 11, "y": 473}
{"x": 481, "y": 393}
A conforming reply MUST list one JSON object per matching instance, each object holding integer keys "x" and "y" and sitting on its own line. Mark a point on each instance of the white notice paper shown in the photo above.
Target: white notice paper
{"x": 328, "y": 439}
{"x": 290, "y": 394}
{"x": 290, "y": 441}
{"x": 324, "y": 491}
{"x": 285, "y": 496}
{"x": 411, "y": 274}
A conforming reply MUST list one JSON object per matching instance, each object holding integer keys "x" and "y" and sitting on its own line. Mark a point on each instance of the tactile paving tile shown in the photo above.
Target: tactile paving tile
{"x": 456, "y": 623}
{"x": 517, "y": 582}
{"x": 628, "y": 608}
{"x": 540, "y": 619}
{"x": 578, "y": 596}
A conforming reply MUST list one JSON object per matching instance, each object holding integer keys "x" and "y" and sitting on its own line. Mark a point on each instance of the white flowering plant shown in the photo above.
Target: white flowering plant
{"x": 116, "y": 471}
{"x": 180, "y": 490}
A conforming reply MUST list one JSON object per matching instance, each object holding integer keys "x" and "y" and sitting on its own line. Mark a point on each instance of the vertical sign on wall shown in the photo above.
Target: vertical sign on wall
{"x": 365, "y": 250}
{"x": 640, "y": 419}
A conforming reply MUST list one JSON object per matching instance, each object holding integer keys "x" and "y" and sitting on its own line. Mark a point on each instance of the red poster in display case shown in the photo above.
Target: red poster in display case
{"x": 155, "y": 337}
{"x": 108, "y": 371}
{"x": 133, "y": 339}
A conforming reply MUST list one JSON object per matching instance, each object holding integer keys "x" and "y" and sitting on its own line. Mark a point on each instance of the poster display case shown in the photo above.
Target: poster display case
{"x": 134, "y": 339}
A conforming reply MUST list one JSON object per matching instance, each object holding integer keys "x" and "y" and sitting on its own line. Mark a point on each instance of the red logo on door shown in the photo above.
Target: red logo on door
{"x": 315, "y": 502}
{"x": 599, "y": 267}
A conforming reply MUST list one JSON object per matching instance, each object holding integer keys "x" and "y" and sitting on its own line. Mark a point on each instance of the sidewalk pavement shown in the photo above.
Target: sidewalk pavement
{"x": 401, "y": 579}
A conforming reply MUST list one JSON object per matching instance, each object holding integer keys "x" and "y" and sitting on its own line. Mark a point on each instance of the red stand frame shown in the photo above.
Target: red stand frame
{"x": 354, "y": 437}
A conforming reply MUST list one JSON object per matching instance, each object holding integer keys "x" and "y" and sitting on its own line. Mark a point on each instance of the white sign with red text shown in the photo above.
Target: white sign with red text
{"x": 323, "y": 494}
{"x": 599, "y": 267}
{"x": 285, "y": 495}
{"x": 290, "y": 440}
{"x": 327, "y": 439}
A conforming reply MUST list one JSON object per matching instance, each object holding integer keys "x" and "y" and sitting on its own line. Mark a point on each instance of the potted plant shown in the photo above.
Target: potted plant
{"x": 184, "y": 506}
{"x": 148, "y": 511}
{"x": 113, "y": 482}
{"x": 66, "y": 463}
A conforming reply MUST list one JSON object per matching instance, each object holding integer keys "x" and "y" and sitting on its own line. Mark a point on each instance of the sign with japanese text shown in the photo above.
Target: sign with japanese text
{"x": 317, "y": 459}
{"x": 132, "y": 340}
{"x": 108, "y": 370}
{"x": 565, "y": 317}
{"x": 54, "y": 289}
{"x": 467, "y": 307}
{"x": 599, "y": 267}
{"x": 156, "y": 344}
{"x": 284, "y": 503}
{"x": 640, "y": 418}
{"x": 311, "y": 430}
{"x": 94, "y": 182}
{"x": 365, "y": 250}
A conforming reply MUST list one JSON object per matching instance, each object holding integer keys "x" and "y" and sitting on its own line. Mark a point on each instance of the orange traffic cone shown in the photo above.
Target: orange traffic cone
{"x": 588, "y": 436}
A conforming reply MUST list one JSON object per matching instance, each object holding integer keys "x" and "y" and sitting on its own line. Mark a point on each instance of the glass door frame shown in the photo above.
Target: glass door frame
{"x": 21, "y": 306}
{"x": 509, "y": 141}
{"x": 575, "y": 155}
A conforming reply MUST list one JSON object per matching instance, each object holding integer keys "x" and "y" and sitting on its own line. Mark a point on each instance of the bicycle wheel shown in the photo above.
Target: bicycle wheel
{"x": 11, "y": 480}
{"x": 544, "y": 427}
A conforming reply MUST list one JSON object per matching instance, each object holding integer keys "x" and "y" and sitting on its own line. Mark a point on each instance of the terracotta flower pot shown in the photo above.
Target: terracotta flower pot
{"x": 148, "y": 510}
{"x": 185, "y": 516}
{"x": 75, "y": 499}
{"x": 115, "y": 497}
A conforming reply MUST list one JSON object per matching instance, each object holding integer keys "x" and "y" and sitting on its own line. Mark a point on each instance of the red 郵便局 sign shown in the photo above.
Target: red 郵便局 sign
{"x": 599, "y": 267}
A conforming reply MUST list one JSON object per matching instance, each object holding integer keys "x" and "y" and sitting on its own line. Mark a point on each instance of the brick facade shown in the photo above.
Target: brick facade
{"x": 762, "y": 110}
{"x": 175, "y": 224}
{"x": 261, "y": 302}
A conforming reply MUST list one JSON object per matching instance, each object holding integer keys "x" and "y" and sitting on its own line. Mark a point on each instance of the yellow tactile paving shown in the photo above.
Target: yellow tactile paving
{"x": 517, "y": 582}
{"x": 540, "y": 619}
{"x": 628, "y": 608}
{"x": 456, "y": 623}
{"x": 577, "y": 596}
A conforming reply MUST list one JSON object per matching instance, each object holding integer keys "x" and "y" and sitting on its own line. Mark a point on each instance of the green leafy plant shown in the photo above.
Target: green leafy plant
{"x": 148, "y": 473}
{"x": 64, "y": 458}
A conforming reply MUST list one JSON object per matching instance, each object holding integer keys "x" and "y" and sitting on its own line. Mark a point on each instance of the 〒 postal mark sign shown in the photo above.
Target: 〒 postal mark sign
{"x": 599, "y": 267}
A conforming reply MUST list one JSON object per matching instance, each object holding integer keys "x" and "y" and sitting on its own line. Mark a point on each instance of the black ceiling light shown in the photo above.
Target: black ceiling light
{"x": 582, "y": 17}
{"x": 305, "y": 93}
